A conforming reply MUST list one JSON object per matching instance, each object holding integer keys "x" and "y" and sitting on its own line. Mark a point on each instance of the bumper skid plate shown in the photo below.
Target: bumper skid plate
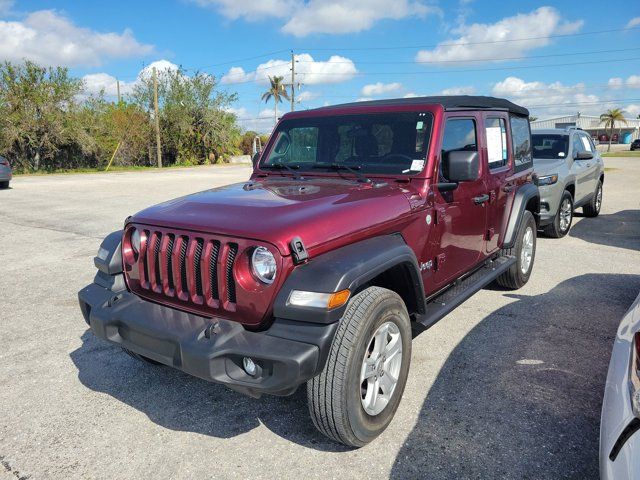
{"x": 211, "y": 349}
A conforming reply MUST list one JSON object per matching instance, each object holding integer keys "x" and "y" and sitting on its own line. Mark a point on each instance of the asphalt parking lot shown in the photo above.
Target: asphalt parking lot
{"x": 508, "y": 386}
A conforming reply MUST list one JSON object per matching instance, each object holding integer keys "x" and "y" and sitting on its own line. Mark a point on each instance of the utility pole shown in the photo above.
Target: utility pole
{"x": 157, "y": 117}
{"x": 118, "y": 84}
{"x": 293, "y": 81}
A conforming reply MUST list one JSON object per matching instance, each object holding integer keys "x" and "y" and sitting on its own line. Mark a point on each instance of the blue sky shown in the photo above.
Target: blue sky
{"x": 346, "y": 49}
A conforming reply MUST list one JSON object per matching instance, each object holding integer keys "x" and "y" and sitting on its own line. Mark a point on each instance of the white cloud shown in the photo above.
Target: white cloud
{"x": 634, "y": 22}
{"x": 96, "y": 83}
{"x": 306, "y": 96}
{"x": 349, "y": 16}
{"x": 303, "y": 18}
{"x": 250, "y": 9}
{"x": 631, "y": 82}
{"x": 468, "y": 90}
{"x": 308, "y": 71}
{"x": 632, "y": 110}
{"x": 379, "y": 88}
{"x": 500, "y": 39}
{"x": 262, "y": 122}
{"x": 555, "y": 97}
{"x": 48, "y": 38}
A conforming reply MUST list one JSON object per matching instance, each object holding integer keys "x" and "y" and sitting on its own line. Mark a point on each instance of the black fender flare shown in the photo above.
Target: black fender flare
{"x": 351, "y": 267}
{"x": 522, "y": 198}
{"x": 109, "y": 258}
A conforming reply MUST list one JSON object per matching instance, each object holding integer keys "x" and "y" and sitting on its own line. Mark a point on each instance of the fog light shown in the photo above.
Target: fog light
{"x": 249, "y": 366}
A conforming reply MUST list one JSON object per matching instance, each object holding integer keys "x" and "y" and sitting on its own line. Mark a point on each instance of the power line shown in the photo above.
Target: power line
{"x": 404, "y": 47}
{"x": 495, "y": 59}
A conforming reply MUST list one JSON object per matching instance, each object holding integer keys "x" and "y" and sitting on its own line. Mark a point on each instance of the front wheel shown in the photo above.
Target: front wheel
{"x": 592, "y": 209}
{"x": 4, "y": 185}
{"x": 562, "y": 221}
{"x": 525, "y": 252}
{"x": 357, "y": 394}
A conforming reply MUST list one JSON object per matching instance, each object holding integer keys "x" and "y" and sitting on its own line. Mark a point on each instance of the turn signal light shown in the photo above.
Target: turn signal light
{"x": 338, "y": 299}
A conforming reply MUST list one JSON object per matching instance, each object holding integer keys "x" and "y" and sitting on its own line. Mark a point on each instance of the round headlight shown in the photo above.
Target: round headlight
{"x": 135, "y": 241}
{"x": 263, "y": 265}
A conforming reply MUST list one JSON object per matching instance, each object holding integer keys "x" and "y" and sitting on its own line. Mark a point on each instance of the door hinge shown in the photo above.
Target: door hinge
{"x": 490, "y": 233}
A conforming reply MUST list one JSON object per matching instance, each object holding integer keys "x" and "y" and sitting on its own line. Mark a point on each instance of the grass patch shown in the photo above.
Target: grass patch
{"x": 626, "y": 153}
{"x": 117, "y": 168}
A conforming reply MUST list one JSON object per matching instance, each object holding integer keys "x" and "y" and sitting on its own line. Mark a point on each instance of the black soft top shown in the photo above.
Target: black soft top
{"x": 448, "y": 102}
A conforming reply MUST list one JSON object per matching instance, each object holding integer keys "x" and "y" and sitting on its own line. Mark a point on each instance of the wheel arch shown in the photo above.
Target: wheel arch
{"x": 527, "y": 198}
{"x": 385, "y": 261}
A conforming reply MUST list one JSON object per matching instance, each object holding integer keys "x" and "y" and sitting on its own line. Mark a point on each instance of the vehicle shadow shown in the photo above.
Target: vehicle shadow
{"x": 619, "y": 229}
{"x": 520, "y": 396}
{"x": 177, "y": 401}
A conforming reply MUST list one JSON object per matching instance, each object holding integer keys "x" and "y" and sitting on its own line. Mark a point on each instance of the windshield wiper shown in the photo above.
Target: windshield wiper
{"x": 284, "y": 166}
{"x": 353, "y": 170}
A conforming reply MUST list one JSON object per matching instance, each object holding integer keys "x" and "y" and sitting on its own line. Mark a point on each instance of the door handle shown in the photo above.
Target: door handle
{"x": 481, "y": 199}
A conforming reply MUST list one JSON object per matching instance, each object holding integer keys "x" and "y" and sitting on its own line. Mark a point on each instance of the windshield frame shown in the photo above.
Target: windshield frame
{"x": 431, "y": 111}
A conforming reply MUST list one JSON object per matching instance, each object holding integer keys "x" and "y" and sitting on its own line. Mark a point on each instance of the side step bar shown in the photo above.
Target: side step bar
{"x": 451, "y": 298}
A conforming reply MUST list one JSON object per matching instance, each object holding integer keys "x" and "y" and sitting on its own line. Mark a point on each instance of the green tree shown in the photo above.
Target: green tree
{"x": 277, "y": 91}
{"x": 35, "y": 107}
{"x": 609, "y": 119}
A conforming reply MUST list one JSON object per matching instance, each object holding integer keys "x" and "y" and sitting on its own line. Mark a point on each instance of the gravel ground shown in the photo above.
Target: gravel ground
{"x": 509, "y": 385}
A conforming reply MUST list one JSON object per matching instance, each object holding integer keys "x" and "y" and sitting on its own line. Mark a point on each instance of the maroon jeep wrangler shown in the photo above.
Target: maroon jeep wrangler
{"x": 362, "y": 225}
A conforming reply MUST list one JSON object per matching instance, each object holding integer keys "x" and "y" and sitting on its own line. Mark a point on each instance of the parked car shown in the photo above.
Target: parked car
{"x": 635, "y": 145}
{"x": 5, "y": 173}
{"x": 620, "y": 422}
{"x": 570, "y": 175}
{"x": 360, "y": 224}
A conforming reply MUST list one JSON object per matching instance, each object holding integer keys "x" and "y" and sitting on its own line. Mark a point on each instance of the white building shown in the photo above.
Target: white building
{"x": 623, "y": 133}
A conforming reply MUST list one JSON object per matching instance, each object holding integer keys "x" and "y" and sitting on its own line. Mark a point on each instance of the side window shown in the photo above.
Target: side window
{"x": 459, "y": 135}
{"x": 586, "y": 143}
{"x": 496, "y": 132}
{"x": 521, "y": 140}
{"x": 576, "y": 145}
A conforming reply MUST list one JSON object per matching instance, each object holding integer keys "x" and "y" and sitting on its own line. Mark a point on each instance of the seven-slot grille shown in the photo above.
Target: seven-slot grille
{"x": 189, "y": 268}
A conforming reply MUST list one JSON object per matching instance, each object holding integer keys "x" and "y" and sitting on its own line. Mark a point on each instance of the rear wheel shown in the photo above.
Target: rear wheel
{"x": 357, "y": 394}
{"x": 592, "y": 209}
{"x": 525, "y": 252}
{"x": 562, "y": 221}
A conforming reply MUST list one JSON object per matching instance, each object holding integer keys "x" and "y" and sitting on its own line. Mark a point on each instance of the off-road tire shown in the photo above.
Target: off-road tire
{"x": 334, "y": 396}
{"x": 4, "y": 185}
{"x": 592, "y": 209}
{"x": 139, "y": 357}
{"x": 515, "y": 278}
{"x": 554, "y": 229}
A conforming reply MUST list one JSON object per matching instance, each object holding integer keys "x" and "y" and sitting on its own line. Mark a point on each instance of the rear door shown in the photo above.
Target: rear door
{"x": 498, "y": 161}
{"x": 581, "y": 168}
{"x": 460, "y": 221}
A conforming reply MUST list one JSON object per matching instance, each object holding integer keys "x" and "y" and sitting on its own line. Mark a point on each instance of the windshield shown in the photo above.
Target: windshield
{"x": 389, "y": 143}
{"x": 550, "y": 146}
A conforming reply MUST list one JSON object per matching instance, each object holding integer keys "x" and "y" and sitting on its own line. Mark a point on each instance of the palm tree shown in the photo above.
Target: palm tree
{"x": 277, "y": 91}
{"x": 532, "y": 118}
{"x": 609, "y": 118}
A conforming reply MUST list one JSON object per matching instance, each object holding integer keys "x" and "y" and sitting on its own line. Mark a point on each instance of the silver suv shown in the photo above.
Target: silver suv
{"x": 570, "y": 175}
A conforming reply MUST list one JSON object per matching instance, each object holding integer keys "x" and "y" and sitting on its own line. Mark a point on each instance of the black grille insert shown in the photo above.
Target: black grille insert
{"x": 183, "y": 264}
{"x": 213, "y": 269}
{"x": 231, "y": 284}
{"x": 197, "y": 255}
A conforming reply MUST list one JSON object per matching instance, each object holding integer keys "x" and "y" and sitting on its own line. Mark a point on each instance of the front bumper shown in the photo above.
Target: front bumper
{"x": 287, "y": 354}
{"x": 550, "y": 196}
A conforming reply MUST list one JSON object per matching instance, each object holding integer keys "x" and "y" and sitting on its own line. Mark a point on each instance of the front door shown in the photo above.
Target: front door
{"x": 460, "y": 220}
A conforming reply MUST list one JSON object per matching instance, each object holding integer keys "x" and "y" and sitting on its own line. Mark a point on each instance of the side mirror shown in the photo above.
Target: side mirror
{"x": 461, "y": 166}
{"x": 584, "y": 155}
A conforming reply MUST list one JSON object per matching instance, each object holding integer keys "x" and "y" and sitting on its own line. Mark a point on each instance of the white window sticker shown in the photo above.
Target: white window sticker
{"x": 416, "y": 166}
{"x": 495, "y": 146}
{"x": 419, "y": 125}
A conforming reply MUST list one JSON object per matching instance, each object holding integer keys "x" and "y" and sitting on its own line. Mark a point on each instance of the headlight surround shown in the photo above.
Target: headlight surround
{"x": 548, "y": 179}
{"x": 263, "y": 265}
{"x": 136, "y": 241}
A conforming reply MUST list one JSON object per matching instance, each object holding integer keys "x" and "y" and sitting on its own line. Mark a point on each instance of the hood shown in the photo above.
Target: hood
{"x": 276, "y": 210}
{"x": 547, "y": 166}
